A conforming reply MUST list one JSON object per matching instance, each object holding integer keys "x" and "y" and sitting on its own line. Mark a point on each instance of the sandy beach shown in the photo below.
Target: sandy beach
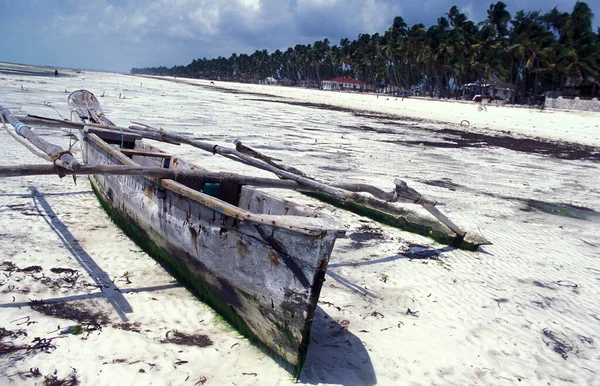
{"x": 396, "y": 308}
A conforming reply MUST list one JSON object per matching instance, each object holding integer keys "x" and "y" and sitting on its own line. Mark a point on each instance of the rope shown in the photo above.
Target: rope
{"x": 230, "y": 178}
{"x": 47, "y": 104}
{"x": 71, "y": 137}
{"x": 394, "y": 198}
{"x": 19, "y": 126}
{"x": 54, "y": 157}
{"x": 59, "y": 169}
{"x": 229, "y": 188}
{"x": 122, "y": 136}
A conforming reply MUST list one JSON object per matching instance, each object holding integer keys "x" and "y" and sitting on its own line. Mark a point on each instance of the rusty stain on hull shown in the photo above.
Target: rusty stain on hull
{"x": 273, "y": 257}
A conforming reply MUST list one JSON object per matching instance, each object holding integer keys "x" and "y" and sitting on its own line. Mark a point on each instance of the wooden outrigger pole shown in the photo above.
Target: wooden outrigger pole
{"x": 61, "y": 158}
{"x": 346, "y": 195}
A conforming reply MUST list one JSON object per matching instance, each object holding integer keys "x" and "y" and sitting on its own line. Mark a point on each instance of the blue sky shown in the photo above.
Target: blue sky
{"x": 116, "y": 35}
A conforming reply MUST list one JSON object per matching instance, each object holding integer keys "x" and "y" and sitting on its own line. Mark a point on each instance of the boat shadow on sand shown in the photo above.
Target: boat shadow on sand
{"x": 335, "y": 355}
{"x": 109, "y": 290}
{"x": 413, "y": 252}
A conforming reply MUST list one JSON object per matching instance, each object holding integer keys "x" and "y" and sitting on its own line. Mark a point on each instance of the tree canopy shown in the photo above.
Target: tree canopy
{"x": 531, "y": 51}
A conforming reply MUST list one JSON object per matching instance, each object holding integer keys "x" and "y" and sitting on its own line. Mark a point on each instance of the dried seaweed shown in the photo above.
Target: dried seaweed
{"x": 69, "y": 380}
{"x": 31, "y": 268}
{"x": 559, "y": 345}
{"x": 133, "y": 327}
{"x": 37, "y": 345}
{"x": 4, "y": 333}
{"x": 367, "y": 232}
{"x": 78, "y": 311}
{"x": 64, "y": 270}
{"x": 8, "y": 266}
{"x": 176, "y": 337}
{"x": 33, "y": 372}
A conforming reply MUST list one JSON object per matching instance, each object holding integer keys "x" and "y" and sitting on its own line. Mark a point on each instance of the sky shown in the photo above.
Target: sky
{"x": 116, "y": 35}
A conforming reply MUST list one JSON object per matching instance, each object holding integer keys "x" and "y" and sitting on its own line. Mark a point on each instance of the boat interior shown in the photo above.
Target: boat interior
{"x": 228, "y": 189}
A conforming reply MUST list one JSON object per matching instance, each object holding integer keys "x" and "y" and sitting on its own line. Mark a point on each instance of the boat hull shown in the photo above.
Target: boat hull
{"x": 263, "y": 279}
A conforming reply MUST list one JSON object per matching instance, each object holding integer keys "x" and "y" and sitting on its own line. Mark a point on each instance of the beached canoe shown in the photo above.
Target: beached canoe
{"x": 363, "y": 199}
{"x": 258, "y": 260}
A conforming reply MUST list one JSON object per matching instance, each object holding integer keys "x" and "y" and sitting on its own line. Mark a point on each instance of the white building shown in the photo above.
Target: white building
{"x": 341, "y": 83}
{"x": 498, "y": 88}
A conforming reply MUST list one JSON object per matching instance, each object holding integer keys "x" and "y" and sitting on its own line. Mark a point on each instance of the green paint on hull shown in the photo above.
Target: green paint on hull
{"x": 195, "y": 285}
{"x": 398, "y": 222}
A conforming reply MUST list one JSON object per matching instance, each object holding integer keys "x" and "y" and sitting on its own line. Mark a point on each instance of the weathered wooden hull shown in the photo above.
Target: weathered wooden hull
{"x": 264, "y": 279}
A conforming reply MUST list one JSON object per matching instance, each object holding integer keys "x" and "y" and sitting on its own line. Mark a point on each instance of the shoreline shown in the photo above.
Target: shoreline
{"x": 495, "y": 119}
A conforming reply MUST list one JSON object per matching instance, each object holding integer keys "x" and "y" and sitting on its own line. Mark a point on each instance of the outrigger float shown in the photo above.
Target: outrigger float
{"x": 258, "y": 260}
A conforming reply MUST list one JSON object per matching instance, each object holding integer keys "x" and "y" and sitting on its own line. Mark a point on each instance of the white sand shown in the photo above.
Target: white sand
{"x": 481, "y": 318}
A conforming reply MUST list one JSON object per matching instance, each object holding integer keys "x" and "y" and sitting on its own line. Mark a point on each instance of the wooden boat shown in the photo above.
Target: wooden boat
{"x": 362, "y": 199}
{"x": 258, "y": 260}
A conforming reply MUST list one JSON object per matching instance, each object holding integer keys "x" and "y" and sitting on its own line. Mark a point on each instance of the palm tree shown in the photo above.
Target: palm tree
{"x": 579, "y": 51}
{"x": 528, "y": 43}
{"x": 533, "y": 51}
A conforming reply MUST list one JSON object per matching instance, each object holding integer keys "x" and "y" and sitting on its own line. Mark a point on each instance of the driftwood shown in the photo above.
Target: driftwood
{"x": 60, "y": 157}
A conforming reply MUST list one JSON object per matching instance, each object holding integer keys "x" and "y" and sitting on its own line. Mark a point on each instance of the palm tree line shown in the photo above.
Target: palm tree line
{"x": 531, "y": 51}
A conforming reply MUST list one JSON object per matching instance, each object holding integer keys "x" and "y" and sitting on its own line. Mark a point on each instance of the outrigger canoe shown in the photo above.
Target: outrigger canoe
{"x": 258, "y": 260}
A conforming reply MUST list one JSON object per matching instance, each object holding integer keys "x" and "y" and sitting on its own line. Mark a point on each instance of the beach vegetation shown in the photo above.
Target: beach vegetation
{"x": 520, "y": 57}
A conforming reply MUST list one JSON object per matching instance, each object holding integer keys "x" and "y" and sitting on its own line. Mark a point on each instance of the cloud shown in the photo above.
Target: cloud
{"x": 119, "y": 34}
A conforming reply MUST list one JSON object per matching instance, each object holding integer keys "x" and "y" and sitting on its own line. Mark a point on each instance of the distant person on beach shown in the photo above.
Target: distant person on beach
{"x": 56, "y": 73}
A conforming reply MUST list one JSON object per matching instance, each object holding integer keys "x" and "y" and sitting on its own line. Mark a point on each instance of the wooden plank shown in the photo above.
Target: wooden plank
{"x": 113, "y": 135}
{"x": 148, "y": 171}
{"x": 144, "y": 153}
{"x": 94, "y": 139}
